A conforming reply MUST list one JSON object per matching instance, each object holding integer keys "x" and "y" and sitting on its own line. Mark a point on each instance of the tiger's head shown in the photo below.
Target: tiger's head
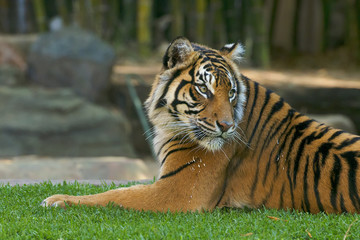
{"x": 198, "y": 96}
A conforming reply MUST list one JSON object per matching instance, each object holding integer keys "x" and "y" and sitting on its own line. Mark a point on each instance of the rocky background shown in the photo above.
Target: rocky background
{"x": 61, "y": 94}
{"x": 53, "y": 99}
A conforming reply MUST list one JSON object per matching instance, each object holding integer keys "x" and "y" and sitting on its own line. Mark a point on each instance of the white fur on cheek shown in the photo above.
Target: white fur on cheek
{"x": 241, "y": 102}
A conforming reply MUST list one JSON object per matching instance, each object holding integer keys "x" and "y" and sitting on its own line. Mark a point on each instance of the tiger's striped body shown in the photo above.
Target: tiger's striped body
{"x": 224, "y": 140}
{"x": 293, "y": 162}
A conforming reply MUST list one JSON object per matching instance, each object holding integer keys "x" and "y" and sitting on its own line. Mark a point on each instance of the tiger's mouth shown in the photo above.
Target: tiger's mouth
{"x": 210, "y": 139}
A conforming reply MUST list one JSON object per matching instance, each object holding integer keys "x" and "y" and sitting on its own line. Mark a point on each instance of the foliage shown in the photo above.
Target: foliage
{"x": 23, "y": 218}
{"x": 262, "y": 25}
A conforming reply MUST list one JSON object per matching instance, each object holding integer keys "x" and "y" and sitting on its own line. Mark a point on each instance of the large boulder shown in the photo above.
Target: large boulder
{"x": 59, "y": 123}
{"x": 72, "y": 58}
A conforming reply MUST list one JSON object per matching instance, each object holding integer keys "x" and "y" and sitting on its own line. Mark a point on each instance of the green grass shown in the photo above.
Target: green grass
{"x": 21, "y": 217}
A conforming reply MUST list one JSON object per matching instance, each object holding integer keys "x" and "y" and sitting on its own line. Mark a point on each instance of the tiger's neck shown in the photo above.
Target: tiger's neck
{"x": 265, "y": 116}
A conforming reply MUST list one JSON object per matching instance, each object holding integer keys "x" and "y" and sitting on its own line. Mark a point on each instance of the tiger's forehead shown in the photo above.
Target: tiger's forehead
{"x": 213, "y": 71}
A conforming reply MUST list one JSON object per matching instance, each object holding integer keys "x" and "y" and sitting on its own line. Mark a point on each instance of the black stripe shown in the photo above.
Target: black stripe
{"x": 353, "y": 165}
{"x": 191, "y": 73}
{"x": 173, "y": 151}
{"x": 323, "y": 150}
{"x": 300, "y": 150}
{"x": 203, "y": 126}
{"x": 267, "y": 97}
{"x": 299, "y": 131}
{"x": 165, "y": 143}
{"x": 256, "y": 86}
{"x": 317, "y": 169}
{"x": 253, "y": 187}
{"x": 172, "y": 173}
{"x": 291, "y": 188}
{"x": 270, "y": 139}
{"x": 348, "y": 142}
{"x": 161, "y": 100}
{"x": 267, "y": 170}
{"x": 268, "y": 195}
{"x": 276, "y": 107}
{"x": 222, "y": 193}
{"x": 161, "y": 103}
{"x": 286, "y": 133}
{"x": 171, "y": 146}
{"x": 193, "y": 112}
{"x": 305, "y": 185}
{"x": 334, "y": 179}
{"x": 206, "y": 122}
{"x": 192, "y": 95}
{"x": 288, "y": 118}
{"x": 336, "y": 134}
{"x": 176, "y": 102}
{"x": 342, "y": 205}
{"x": 281, "y": 203}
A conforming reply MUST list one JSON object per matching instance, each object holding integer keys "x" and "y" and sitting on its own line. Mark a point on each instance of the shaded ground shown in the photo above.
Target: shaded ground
{"x": 33, "y": 169}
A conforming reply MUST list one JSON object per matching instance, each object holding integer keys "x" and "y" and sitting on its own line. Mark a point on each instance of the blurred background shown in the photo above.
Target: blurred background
{"x": 73, "y": 73}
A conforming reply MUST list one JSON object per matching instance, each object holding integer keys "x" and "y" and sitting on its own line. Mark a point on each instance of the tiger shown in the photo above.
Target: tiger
{"x": 223, "y": 140}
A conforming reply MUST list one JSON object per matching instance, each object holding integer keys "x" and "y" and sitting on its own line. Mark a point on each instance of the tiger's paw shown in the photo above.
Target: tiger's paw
{"x": 56, "y": 201}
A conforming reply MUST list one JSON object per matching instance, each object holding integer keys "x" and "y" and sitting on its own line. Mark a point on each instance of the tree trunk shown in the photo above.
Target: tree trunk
{"x": 295, "y": 31}
{"x": 261, "y": 44}
{"x": 274, "y": 13}
{"x": 353, "y": 29}
{"x": 326, "y": 6}
{"x": 219, "y": 34}
{"x": 177, "y": 15}
{"x": 144, "y": 26}
{"x": 63, "y": 11}
{"x": 200, "y": 20}
{"x": 4, "y": 16}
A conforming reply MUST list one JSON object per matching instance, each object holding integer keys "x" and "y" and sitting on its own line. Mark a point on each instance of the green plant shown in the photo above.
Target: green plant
{"x": 22, "y": 217}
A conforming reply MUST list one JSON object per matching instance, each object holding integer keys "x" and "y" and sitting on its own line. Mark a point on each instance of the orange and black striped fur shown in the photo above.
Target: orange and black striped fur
{"x": 224, "y": 140}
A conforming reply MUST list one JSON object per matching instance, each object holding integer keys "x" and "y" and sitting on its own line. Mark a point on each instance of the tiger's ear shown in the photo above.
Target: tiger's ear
{"x": 234, "y": 51}
{"x": 177, "y": 52}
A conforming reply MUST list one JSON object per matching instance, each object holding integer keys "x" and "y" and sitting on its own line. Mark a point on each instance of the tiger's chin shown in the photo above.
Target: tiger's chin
{"x": 212, "y": 144}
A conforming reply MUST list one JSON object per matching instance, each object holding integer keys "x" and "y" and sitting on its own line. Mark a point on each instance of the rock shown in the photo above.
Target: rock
{"x": 336, "y": 121}
{"x": 72, "y": 58}
{"x": 59, "y": 123}
{"x": 322, "y": 100}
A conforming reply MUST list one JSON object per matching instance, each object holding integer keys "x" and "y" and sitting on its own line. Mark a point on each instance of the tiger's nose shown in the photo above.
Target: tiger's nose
{"x": 224, "y": 125}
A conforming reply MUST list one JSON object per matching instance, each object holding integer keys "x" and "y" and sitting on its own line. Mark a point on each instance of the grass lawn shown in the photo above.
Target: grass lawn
{"x": 21, "y": 217}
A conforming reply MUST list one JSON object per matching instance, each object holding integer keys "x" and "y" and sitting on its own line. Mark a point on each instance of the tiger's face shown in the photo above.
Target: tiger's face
{"x": 198, "y": 97}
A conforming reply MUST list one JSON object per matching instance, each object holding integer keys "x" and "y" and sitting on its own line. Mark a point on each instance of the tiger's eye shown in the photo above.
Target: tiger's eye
{"x": 203, "y": 89}
{"x": 231, "y": 93}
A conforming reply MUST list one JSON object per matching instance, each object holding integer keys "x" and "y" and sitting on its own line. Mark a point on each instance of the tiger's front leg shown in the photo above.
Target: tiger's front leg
{"x": 193, "y": 185}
